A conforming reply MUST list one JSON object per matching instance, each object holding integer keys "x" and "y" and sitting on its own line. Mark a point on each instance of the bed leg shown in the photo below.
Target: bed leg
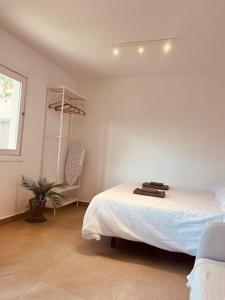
{"x": 113, "y": 242}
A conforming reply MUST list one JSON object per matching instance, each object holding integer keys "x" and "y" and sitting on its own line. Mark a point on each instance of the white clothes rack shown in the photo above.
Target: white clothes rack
{"x": 64, "y": 123}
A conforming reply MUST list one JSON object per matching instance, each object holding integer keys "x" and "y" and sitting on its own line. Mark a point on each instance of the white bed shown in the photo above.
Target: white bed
{"x": 207, "y": 280}
{"x": 173, "y": 223}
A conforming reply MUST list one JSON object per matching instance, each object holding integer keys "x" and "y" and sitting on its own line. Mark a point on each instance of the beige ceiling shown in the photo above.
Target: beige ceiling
{"x": 77, "y": 34}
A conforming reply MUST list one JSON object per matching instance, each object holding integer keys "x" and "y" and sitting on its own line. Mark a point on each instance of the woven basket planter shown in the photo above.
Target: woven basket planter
{"x": 36, "y": 214}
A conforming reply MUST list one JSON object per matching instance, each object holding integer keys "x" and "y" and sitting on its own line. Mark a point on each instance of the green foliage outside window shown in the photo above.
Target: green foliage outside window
{"x": 6, "y": 88}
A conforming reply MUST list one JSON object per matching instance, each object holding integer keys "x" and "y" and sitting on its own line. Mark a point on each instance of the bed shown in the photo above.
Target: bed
{"x": 206, "y": 281}
{"x": 173, "y": 223}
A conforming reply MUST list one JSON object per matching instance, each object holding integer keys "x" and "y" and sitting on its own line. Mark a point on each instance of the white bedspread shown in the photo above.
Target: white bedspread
{"x": 207, "y": 280}
{"x": 172, "y": 223}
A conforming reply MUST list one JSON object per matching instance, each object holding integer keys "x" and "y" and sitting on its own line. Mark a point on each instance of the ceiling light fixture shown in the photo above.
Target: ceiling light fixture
{"x": 167, "y": 45}
{"x": 143, "y": 43}
{"x": 116, "y": 51}
{"x": 141, "y": 50}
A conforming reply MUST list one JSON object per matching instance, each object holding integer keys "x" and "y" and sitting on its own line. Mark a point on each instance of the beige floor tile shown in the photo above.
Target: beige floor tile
{"x": 52, "y": 261}
{"x": 45, "y": 291}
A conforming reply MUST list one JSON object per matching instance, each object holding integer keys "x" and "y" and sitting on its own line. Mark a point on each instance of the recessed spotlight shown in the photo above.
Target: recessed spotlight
{"x": 167, "y": 47}
{"x": 141, "y": 50}
{"x": 116, "y": 51}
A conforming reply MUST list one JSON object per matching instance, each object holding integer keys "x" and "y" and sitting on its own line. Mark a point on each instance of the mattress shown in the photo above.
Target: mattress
{"x": 206, "y": 280}
{"x": 173, "y": 223}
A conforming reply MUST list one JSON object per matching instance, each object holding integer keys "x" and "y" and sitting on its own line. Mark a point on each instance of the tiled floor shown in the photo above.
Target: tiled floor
{"x": 51, "y": 261}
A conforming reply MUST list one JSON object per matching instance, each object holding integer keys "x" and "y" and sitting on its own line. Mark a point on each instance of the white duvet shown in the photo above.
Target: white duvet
{"x": 207, "y": 280}
{"x": 173, "y": 223}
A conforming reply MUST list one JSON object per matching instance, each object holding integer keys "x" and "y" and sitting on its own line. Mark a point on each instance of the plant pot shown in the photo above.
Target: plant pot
{"x": 36, "y": 211}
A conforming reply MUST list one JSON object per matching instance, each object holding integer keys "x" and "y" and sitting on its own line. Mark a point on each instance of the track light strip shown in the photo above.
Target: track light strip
{"x": 146, "y": 42}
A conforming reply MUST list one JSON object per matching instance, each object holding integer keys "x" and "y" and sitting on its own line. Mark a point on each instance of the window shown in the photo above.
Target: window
{"x": 12, "y": 100}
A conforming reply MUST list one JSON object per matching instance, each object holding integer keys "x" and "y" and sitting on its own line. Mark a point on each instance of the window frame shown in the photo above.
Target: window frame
{"x": 23, "y": 79}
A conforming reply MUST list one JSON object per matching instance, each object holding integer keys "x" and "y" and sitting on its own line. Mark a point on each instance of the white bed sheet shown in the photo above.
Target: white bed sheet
{"x": 173, "y": 223}
{"x": 207, "y": 280}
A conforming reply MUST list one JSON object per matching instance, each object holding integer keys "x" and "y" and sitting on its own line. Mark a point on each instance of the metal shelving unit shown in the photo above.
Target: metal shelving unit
{"x": 64, "y": 123}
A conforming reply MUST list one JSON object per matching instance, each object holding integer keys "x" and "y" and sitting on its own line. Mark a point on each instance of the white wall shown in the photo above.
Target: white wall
{"x": 144, "y": 128}
{"x": 169, "y": 129}
{"x": 41, "y": 73}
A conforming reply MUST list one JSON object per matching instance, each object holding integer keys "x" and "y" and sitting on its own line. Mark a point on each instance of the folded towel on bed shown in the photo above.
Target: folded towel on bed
{"x": 156, "y": 183}
{"x": 156, "y": 193}
{"x": 149, "y": 190}
{"x": 163, "y": 187}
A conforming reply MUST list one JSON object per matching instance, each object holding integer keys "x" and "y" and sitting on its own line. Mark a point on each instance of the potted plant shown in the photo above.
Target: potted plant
{"x": 42, "y": 189}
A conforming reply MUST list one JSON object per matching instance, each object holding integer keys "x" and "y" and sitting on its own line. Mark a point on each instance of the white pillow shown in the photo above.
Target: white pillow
{"x": 219, "y": 194}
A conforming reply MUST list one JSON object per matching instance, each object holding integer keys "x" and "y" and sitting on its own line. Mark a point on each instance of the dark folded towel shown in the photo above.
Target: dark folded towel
{"x": 156, "y": 183}
{"x": 153, "y": 186}
{"x": 158, "y": 194}
{"x": 149, "y": 190}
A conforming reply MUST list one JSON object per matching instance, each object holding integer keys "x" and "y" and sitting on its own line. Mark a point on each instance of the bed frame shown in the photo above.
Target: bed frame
{"x": 113, "y": 242}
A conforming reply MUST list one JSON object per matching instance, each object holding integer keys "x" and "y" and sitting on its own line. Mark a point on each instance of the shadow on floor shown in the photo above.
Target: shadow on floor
{"x": 138, "y": 253}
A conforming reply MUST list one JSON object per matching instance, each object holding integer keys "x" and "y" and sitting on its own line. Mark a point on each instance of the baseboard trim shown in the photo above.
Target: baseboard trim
{"x": 83, "y": 203}
{"x": 14, "y": 217}
{"x": 25, "y": 213}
